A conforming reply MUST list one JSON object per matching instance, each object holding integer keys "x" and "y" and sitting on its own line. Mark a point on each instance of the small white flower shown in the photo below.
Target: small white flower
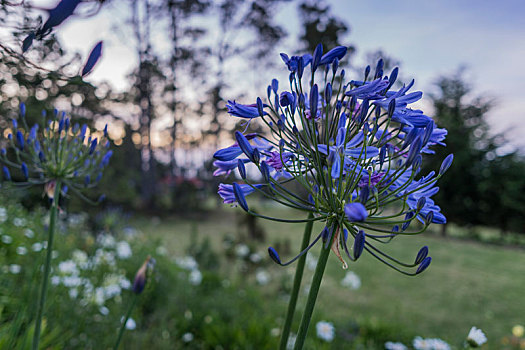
{"x": 37, "y": 247}
{"x": 3, "y": 214}
{"x": 430, "y": 344}
{"x": 55, "y": 280}
{"x": 106, "y": 240}
{"x": 6, "y": 239}
{"x": 325, "y": 331}
{"x": 73, "y": 293}
{"x": 242, "y": 250}
{"x": 15, "y": 269}
{"x": 68, "y": 267}
{"x": 19, "y": 222}
{"x": 255, "y": 258}
{"x": 187, "y": 263}
{"x": 29, "y": 233}
{"x": 71, "y": 281}
{"x": 124, "y": 283}
{"x": 104, "y": 310}
{"x": 351, "y": 281}
{"x": 123, "y": 250}
{"x": 79, "y": 256}
{"x": 275, "y": 332}
{"x": 195, "y": 277}
{"x": 21, "y": 250}
{"x": 187, "y": 337}
{"x": 131, "y": 324}
{"x": 262, "y": 277}
{"x": 476, "y": 337}
{"x": 161, "y": 251}
{"x": 395, "y": 346}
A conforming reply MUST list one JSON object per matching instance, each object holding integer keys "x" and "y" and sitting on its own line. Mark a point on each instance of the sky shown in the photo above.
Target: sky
{"x": 429, "y": 38}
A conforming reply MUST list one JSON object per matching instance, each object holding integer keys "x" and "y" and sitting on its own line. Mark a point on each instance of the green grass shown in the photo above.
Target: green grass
{"x": 468, "y": 283}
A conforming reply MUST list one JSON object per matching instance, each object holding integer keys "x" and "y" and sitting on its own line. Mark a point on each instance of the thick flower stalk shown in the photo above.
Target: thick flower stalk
{"x": 356, "y": 149}
{"x": 60, "y": 157}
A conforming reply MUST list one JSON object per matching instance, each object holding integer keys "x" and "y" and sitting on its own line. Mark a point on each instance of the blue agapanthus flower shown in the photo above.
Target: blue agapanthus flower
{"x": 354, "y": 148}
{"x": 55, "y": 151}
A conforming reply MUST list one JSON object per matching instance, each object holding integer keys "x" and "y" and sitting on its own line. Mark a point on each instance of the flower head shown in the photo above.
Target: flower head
{"x": 476, "y": 337}
{"x": 353, "y": 148}
{"x": 325, "y": 331}
{"x": 55, "y": 151}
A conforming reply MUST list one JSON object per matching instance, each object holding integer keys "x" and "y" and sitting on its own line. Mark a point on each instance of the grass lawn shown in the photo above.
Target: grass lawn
{"x": 468, "y": 283}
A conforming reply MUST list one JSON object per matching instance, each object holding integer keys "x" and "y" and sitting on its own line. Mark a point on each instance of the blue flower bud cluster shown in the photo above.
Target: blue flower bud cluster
{"x": 54, "y": 150}
{"x": 355, "y": 147}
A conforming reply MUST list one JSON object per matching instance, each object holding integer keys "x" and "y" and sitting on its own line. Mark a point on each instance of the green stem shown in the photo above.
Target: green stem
{"x": 123, "y": 327}
{"x": 312, "y": 297}
{"x": 296, "y": 285}
{"x": 47, "y": 266}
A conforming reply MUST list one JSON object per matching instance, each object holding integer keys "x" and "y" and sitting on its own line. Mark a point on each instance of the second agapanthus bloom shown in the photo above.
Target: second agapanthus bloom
{"x": 354, "y": 147}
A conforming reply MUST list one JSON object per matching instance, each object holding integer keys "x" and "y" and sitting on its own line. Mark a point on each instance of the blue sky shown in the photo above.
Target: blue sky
{"x": 429, "y": 38}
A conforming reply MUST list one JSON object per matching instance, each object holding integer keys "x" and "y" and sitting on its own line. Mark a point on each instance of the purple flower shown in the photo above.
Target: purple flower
{"x": 226, "y": 191}
{"x": 337, "y": 52}
{"x": 90, "y": 63}
{"x": 243, "y": 111}
{"x": 356, "y": 212}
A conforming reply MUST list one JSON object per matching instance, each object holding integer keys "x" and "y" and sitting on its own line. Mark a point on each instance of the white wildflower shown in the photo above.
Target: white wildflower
{"x": 262, "y": 277}
{"x": 6, "y": 239}
{"x": 3, "y": 214}
{"x": 106, "y": 240}
{"x": 21, "y": 250}
{"x": 131, "y": 324}
{"x": 187, "y": 337}
{"x": 104, "y": 310}
{"x": 36, "y": 247}
{"x": 195, "y": 277}
{"x": 15, "y": 269}
{"x": 351, "y": 280}
{"x": 123, "y": 250}
{"x": 29, "y": 233}
{"x": 430, "y": 344}
{"x": 55, "y": 280}
{"x": 476, "y": 337}
{"x": 395, "y": 346}
{"x": 242, "y": 250}
{"x": 161, "y": 251}
{"x": 325, "y": 331}
{"x": 187, "y": 263}
{"x": 68, "y": 267}
{"x": 73, "y": 293}
{"x": 19, "y": 222}
{"x": 255, "y": 258}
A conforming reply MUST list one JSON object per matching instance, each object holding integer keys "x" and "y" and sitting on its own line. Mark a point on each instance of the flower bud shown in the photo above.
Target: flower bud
{"x": 141, "y": 277}
{"x": 447, "y": 162}
{"x": 356, "y": 212}
{"x": 7, "y": 174}
{"x": 265, "y": 171}
{"x": 359, "y": 244}
{"x": 422, "y": 254}
{"x": 275, "y": 85}
{"x": 241, "y": 168}
{"x": 273, "y": 254}
{"x": 424, "y": 264}
{"x": 239, "y": 196}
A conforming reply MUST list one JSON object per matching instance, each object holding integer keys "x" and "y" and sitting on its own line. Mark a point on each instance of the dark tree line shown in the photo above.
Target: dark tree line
{"x": 483, "y": 187}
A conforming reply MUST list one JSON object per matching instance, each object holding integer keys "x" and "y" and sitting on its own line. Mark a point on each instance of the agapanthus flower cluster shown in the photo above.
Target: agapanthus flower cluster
{"x": 55, "y": 151}
{"x": 356, "y": 149}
